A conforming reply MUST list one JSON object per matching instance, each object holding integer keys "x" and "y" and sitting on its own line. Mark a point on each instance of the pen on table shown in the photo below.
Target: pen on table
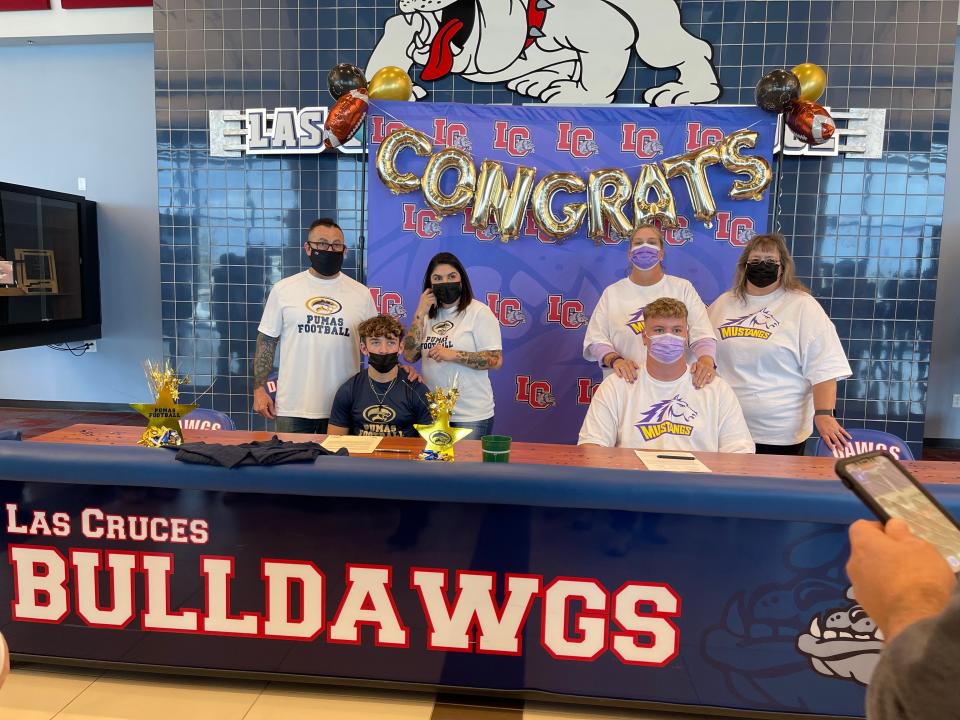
{"x": 392, "y": 450}
{"x": 675, "y": 457}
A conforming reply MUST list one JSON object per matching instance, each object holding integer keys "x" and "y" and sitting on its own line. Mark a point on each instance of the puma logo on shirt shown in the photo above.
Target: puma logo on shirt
{"x": 635, "y": 322}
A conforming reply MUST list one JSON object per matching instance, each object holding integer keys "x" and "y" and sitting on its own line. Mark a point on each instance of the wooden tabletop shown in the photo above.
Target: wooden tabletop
{"x": 810, "y": 468}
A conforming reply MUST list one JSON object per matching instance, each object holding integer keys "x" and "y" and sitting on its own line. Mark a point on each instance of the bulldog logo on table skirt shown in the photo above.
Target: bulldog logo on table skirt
{"x": 558, "y": 51}
{"x": 767, "y": 641}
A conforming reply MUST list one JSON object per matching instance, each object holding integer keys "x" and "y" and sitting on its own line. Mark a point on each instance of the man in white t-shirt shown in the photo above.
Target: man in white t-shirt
{"x": 662, "y": 410}
{"x": 313, "y": 315}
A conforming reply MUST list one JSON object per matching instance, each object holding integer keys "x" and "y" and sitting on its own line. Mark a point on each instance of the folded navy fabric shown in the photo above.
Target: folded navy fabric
{"x": 266, "y": 452}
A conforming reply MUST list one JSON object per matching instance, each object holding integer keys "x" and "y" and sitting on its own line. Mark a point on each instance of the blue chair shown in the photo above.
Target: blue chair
{"x": 866, "y": 440}
{"x": 10, "y": 435}
{"x": 203, "y": 419}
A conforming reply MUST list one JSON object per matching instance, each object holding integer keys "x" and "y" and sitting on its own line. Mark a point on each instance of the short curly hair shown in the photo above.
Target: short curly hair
{"x": 380, "y": 326}
{"x": 665, "y": 307}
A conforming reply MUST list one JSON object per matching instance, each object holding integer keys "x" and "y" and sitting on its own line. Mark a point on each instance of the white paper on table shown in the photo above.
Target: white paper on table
{"x": 671, "y": 461}
{"x": 361, "y": 445}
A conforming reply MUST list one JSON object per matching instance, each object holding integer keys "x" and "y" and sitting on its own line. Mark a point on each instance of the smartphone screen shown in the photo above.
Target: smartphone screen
{"x": 900, "y": 498}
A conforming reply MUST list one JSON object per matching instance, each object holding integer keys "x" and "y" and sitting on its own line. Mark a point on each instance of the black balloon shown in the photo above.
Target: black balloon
{"x": 344, "y": 78}
{"x": 777, "y": 90}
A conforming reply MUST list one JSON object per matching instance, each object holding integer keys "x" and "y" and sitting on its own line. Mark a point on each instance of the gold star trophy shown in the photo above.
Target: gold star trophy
{"x": 164, "y": 413}
{"x": 439, "y": 435}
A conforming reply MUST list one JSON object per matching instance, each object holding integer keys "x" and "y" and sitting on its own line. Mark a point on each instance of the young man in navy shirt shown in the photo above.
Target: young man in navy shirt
{"x": 378, "y": 400}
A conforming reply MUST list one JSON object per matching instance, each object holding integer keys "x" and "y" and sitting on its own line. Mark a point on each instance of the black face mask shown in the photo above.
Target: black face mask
{"x": 447, "y": 293}
{"x": 326, "y": 262}
{"x": 383, "y": 362}
{"x": 763, "y": 274}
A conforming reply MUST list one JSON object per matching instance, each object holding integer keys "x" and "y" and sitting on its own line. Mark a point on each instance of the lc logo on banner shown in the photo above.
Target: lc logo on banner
{"x": 543, "y": 290}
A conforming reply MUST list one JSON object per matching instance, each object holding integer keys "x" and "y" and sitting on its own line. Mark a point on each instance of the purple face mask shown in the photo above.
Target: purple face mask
{"x": 645, "y": 257}
{"x": 667, "y": 348}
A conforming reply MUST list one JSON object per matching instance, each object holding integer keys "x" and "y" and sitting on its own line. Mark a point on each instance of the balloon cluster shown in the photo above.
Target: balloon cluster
{"x": 795, "y": 92}
{"x": 352, "y": 92}
{"x": 608, "y": 191}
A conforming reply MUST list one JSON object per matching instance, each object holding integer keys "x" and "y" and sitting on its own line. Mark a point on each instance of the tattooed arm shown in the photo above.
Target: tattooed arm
{"x": 483, "y": 360}
{"x": 411, "y": 343}
{"x": 262, "y": 366}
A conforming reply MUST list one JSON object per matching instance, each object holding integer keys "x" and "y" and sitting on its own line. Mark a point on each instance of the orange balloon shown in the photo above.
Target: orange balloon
{"x": 390, "y": 83}
{"x": 813, "y": 81}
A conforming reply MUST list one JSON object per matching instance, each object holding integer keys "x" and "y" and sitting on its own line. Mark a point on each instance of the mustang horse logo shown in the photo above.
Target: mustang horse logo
{"x": 756, "y": 325}
{"x": 557, "y": 51}
{"x": 671, "y": 417}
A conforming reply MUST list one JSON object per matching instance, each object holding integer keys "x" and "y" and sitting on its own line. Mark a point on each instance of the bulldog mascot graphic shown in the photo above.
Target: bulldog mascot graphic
{"x": 556, "y": 51}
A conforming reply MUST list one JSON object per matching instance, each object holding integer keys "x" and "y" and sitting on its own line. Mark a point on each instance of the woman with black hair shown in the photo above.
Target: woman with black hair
{"x": 458, "y": 338}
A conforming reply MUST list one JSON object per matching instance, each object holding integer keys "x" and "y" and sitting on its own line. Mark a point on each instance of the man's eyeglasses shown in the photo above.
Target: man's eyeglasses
{"x": 326, "y": 247}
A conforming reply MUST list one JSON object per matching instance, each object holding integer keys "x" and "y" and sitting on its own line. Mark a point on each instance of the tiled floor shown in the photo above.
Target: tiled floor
{"x": 42, "y": 692}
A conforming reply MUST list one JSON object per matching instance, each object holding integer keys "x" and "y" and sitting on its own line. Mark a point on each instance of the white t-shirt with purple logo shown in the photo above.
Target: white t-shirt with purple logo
{"x": 773, "y": 349}
{"x": 656, "y": 415}
{"x": 618, "y": 317}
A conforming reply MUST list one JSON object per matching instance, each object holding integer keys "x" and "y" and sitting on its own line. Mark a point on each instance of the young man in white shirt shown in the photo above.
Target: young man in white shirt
{"x": 313, "y": 315}
{"x": 662, "y": 409}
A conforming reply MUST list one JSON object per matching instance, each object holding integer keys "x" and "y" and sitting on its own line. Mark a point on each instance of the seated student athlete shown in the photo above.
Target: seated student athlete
{"x": 663, "y": 410}
{"x": 379, "y": 400}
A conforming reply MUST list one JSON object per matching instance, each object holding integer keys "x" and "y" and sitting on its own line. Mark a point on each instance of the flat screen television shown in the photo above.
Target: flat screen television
{"x": 49, "y": 268}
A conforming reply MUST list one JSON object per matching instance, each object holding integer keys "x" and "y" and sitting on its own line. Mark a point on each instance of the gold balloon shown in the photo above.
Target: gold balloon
{"x": 813, "y": 81}
{"x": 601, "y": 206}
{"x": 390, "y": 83}
{"x": 509, "y": 203}
{"x": 757, "y": 168}
{"x": 645, "y": 210}
{"x": 396, "y": 141}
{"x": 573, "y": 213}
{"x": 692, "y": 167}
{"x": 456, "y": 201}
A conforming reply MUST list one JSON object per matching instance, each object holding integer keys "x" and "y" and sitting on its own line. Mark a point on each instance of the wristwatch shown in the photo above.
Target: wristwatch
{"x": 824, "y": 412}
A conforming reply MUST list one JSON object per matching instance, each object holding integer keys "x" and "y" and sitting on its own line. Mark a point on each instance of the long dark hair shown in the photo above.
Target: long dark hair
{"x": 466, "y": 291}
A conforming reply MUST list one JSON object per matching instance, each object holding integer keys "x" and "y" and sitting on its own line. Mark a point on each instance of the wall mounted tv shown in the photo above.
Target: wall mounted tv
{"x": 49, "y": 268}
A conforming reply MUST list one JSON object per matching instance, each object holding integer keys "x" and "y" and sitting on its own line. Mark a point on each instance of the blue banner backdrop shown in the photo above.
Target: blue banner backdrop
{"x": 543, "y": 290}
{"x": 693, "y": 590}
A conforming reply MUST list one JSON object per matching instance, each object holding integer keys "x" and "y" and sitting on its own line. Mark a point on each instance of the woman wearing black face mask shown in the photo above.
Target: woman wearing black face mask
{"x": 779, "y": 351}
{"x": 458, "y": 338}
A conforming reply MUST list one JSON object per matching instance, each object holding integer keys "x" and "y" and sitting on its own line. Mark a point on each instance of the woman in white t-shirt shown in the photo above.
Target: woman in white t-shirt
{"x": 779, "y": 351}
{"x": 458, "y": 338}
{"x": 615, "y": 332}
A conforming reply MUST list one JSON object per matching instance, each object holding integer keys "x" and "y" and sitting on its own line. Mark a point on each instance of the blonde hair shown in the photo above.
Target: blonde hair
{"x": 767, "y": 241}
{"x": 664, "y": 307}
{"x": 647, "y": 226}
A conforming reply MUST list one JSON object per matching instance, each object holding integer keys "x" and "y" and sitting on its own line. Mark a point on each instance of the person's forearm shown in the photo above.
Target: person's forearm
{"x": 704, "y": 347}
{"x": 482, "y": 360}
{"x": 600, "y": 351}
{"x": 825, "y": 395}
{"x": 263, "y": 358}
{"x": 337, "y": 430}
{"x": 411, "y": 343}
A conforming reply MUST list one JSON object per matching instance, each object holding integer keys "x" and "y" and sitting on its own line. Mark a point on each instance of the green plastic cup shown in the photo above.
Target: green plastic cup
{"x": 496, "y": 448}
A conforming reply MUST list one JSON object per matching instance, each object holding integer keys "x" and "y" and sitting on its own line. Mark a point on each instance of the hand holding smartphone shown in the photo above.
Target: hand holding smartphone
{"x": 890, "y": 491}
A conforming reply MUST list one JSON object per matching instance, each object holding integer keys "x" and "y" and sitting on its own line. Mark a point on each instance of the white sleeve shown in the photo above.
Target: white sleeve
{"x": 733, "y": 434}
{"x": 371, "y": 307}
{"x": 698, "y": 321}
{"x": 272, "y": 321}
{"x": 597, "y": 332}
{"x": 821, "y": 354}
{"x": 486, "y": 330}
{"x": 602, "y": 423}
